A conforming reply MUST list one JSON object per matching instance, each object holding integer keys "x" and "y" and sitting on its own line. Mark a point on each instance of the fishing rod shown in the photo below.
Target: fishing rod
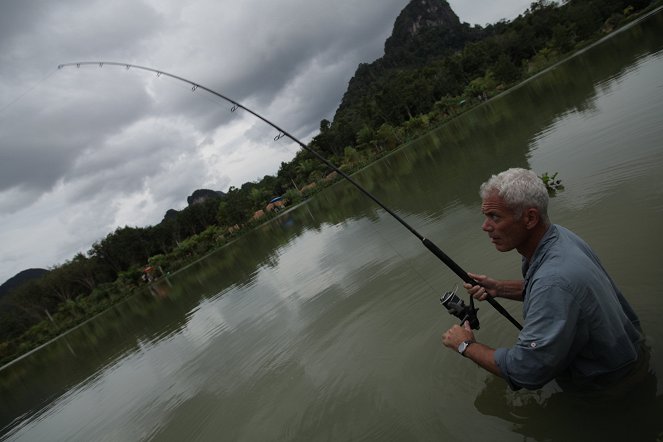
{"x": 450, "y": 300}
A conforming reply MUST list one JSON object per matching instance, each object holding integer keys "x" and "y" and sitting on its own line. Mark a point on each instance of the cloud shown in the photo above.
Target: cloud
{"x": 42, "y": 136}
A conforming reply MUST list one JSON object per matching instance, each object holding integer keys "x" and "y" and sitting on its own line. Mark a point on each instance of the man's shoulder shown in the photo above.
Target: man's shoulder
{"x": 565, "y": 245}
{"x": 566, "y": 236}
{"x": 563, "y": 261}
{"x": 566, "y": 264}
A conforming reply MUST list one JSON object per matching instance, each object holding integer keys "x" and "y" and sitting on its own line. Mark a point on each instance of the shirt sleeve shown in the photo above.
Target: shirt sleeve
{"x": 543, "y": 348}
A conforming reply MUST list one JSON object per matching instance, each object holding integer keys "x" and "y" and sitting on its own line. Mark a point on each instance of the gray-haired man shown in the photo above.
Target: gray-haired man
{"x": 578, "y": 328}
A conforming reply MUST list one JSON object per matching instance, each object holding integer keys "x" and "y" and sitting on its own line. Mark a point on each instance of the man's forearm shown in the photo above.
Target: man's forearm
{"x": 511, "y": 289}
{"x": 484, "y": 356}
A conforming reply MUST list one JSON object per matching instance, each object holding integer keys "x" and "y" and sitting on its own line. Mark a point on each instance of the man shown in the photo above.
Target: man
{"x": 578, "y": 328}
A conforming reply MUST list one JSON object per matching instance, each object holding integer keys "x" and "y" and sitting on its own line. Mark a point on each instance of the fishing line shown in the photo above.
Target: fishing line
{"x": 386, "y": 163}
{"x": 403, "y": 259}
{"x": 28, "y": 90}
{"x": 432, "y": 247}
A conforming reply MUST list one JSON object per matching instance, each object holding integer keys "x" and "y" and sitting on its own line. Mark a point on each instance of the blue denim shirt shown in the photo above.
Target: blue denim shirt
{"x": 577, "y": 325}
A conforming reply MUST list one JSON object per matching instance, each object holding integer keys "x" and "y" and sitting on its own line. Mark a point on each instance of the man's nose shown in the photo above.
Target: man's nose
{"x": 486, "y": 227}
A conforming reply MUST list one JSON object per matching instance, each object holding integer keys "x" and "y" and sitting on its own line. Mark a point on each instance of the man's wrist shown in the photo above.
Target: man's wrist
{"x": 463, "y": 346}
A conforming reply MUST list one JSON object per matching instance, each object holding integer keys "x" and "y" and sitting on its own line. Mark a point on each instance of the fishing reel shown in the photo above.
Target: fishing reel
{"x": 455, "y": 306}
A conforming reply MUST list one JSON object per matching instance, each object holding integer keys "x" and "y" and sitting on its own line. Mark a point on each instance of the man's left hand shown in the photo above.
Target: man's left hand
{"x": 457, "y": 334}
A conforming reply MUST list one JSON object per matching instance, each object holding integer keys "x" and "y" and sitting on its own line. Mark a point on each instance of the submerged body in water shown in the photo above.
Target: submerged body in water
{"x": 625, "y": 411}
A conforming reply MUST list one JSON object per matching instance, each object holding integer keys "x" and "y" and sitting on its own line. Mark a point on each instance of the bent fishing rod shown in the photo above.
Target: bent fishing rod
{"x": 450, "y": 300}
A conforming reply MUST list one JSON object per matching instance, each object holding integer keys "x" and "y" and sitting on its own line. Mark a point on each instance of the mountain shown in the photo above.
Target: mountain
{"x": 21, "y": 278}
{"x": 423, "y": 30}
{"x": 201, "y": 195}
{"x": 170, "y": 214}
{"x": 198, "y": 196}
{"x": 390, "y": 90}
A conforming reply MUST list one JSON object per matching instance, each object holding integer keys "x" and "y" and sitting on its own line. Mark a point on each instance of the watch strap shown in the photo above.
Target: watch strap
{"x": 463, "y": 346}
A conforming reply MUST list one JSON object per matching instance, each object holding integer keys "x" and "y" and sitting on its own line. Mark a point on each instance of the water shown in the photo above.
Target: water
{"x": 325, "y": 324}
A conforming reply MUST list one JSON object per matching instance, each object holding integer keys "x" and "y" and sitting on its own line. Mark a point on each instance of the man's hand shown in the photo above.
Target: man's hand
{"x": 479, "y": 353}
{"x": 457, "y": 334}
{"x": 487, "y": 287}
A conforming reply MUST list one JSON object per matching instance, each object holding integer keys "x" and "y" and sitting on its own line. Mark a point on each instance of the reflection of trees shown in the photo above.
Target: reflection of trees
{"x": 140, "y": 319}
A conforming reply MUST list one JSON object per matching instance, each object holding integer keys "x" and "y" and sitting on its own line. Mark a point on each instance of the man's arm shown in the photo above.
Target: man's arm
{"x": 483, "y": 356}
{"x": 511, "y": 289}
{"x": 479, "y": 353}
{"x": 508, "y": 289}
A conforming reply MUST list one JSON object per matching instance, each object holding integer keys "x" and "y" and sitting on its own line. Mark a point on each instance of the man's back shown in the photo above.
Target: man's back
{"x": 573, "y": 307}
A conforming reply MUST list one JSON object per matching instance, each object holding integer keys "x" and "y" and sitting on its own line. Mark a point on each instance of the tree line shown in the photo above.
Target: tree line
{"x": 420, "y": 83}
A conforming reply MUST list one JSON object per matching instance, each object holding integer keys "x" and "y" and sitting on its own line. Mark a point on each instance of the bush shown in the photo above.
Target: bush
{"x": 294, "y": 196}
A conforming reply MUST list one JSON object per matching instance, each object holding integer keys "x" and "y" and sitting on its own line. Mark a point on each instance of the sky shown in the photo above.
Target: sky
{"x": 86, "y": 150}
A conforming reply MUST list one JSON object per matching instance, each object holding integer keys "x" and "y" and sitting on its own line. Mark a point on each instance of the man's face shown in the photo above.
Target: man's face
{"x": 505, "y": 231}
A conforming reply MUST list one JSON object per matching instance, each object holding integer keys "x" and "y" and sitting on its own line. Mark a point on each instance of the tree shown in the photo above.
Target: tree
{"x": 475, "y": 59}
{"x": 287, "y": 174}
{"x": 387, "y": 136}
{"x": 59, "y": 283}
{"x": 505, "y": 71}
{"x": 479, "y": 86}
{"x": 87, "y": 272}
{"x": 234, "y": 208}
{"x": 350, "y": 155}
{"x": 259, "y": 197}
{"x": 365, "y": 135}
{"x": 124, "y": 248}
{"x": 306, "y": 167}
{"x": 26, "y": 306}
{"x": 447, "y": 106}
{"x": 563, "y": 37}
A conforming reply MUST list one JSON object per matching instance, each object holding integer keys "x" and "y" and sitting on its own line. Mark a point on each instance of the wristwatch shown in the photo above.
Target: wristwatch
{"x": 463, "y": 346}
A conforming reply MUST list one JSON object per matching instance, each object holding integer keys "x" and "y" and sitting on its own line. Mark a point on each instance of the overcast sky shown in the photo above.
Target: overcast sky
{"x": 83, "y": 151}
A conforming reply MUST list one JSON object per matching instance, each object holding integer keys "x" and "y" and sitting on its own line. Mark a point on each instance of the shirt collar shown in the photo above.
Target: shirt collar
{"x": 528, "y": 268}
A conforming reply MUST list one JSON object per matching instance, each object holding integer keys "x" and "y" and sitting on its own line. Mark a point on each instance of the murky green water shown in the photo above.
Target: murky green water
{"x": 325, "y": 324}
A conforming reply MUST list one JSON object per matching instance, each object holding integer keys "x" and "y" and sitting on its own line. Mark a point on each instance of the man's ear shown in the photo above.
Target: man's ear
{"x": 532, "y": 218}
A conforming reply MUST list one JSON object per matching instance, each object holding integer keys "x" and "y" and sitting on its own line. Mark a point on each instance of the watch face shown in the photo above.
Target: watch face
{"x": 463, "y": 346}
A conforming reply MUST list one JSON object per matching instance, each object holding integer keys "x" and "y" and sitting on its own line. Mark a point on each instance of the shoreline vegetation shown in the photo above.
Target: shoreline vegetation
{"x": 129, "y": 259}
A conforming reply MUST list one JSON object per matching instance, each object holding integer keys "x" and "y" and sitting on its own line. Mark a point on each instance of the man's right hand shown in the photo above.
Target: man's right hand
{"x": 486, "y": 287}
{"x": 509, "y": 289}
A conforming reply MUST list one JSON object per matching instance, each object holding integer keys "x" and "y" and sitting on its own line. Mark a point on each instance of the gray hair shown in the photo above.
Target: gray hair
{"x": 520, "y": 189}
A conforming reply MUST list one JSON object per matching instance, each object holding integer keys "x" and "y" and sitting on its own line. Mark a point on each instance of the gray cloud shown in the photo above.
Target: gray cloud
{"x": 42, "y": 137}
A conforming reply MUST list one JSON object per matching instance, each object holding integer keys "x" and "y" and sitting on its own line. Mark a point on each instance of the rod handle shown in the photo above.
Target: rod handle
{"x": 462, "y": 274}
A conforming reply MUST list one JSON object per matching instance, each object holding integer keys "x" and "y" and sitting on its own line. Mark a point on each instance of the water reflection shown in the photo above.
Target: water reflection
{"x": 549, "y": 414}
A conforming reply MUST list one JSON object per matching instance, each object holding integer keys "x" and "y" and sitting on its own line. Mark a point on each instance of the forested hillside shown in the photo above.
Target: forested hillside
{"x": 20, "y": 279}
